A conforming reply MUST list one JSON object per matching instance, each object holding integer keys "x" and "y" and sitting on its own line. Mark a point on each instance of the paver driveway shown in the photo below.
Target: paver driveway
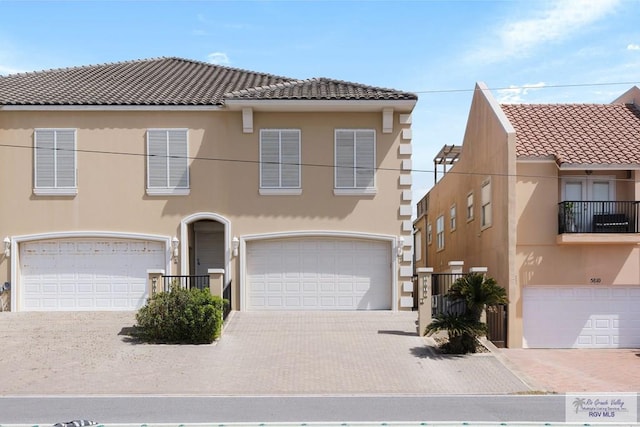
{"x": 260, "y": 354}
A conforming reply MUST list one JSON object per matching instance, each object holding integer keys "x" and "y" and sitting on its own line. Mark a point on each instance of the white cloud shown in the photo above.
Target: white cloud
{"x": 218, "y": 58}
{"x": 555, "y": 23}
{"x": 633, "y": 46}
{"x": 516, "y": 94}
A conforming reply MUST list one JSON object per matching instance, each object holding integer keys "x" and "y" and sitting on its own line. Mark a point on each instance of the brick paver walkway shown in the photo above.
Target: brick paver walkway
{"x": 259, "y": 354}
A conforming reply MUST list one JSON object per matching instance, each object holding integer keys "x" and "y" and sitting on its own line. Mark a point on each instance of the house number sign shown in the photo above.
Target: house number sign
{"x": 596, "y": 280}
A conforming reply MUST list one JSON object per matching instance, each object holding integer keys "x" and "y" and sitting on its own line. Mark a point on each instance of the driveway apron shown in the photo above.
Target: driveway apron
{"x": 260, "y": 353}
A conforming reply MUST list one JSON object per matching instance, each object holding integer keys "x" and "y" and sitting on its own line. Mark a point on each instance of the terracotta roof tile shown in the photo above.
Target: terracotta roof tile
{"x": 577, "y": 133}
{"x": 170, "y": 81}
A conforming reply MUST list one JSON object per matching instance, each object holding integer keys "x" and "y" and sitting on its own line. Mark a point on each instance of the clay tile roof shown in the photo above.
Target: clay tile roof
{"x": 160, "y": 81}
{"x": 320, "y": 88}
{"x": 577, "y": 133}
{"x": 169, "y": 81}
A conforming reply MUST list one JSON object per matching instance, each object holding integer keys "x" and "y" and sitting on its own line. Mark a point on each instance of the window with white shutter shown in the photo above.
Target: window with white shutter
{"x": 55, "y": 162}
{"x": 280, "y": 161}
{"x": 355, "y": 161}
{"x": 167, "y": 162}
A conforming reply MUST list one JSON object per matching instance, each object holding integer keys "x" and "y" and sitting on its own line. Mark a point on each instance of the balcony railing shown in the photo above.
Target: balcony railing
{"x": 598, "y": 217}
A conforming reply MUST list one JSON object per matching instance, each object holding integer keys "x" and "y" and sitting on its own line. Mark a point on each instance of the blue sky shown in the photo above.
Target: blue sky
{"x": 527, "y": 51}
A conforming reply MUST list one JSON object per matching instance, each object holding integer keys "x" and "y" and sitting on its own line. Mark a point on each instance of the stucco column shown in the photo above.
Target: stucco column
{"x": 424, "y": 298}
{"x": 455, "y": 267}
{"x": 154, "y": 282}
{"x": 216, "y": 281}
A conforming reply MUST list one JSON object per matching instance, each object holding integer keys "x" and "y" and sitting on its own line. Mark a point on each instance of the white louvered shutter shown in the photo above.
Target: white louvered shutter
{"x": 55, "y": 158}
{"x": 345, "y": 159}
{"x": 177, "y": 161}
{"x": 45, "y": 159}
{"x": 269, "y": 159}
{"x": 290, "y": 159}
{"x": 157, "y": 158}
{"x": 365, "y": 158}
{"x": 65, "y": 159}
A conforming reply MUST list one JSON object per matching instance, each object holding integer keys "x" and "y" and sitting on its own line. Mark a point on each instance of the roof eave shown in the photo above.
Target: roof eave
{"x": 599, "y": 166}
{"x": 71, "y": 107}
{"x": 321, "y": 105}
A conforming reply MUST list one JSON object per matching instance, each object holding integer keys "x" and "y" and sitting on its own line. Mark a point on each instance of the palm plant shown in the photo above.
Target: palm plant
{"x": 461, "y": 329}
{"x": 478, "y": 292}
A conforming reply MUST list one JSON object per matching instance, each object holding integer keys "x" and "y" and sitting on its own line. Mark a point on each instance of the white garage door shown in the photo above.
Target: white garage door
{"x": 81, "y": 274}
{"x": 319, "y": 274}
{"x": 581, "y": 317}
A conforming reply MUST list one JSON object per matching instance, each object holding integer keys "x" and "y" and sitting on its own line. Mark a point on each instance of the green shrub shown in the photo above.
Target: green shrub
{"x": 181, "y": 316}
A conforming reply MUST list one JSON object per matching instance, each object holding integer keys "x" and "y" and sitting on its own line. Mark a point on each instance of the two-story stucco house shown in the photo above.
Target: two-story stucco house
{"x": 546, "y": 197}
{"x": 299, "y": 191}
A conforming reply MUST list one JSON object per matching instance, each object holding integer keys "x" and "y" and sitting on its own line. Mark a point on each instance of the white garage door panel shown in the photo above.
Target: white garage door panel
{"x": 86, "y": 274}
{"x": 319, "y": 273}
{"x": 581, "y": 317}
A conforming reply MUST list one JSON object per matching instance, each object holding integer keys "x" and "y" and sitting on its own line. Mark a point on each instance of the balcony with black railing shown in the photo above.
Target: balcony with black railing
{"x": 598, "y": 217}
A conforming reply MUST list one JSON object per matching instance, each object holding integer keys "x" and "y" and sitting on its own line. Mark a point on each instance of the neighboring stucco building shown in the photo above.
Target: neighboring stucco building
{"x": 546, "y": 197}
{"x": 300, "y": 190}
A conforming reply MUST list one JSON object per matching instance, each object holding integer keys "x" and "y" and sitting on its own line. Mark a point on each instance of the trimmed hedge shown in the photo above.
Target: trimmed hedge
{"x": 181, "y": 316}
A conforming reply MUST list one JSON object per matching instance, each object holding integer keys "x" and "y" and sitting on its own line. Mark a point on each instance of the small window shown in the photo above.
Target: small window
{"x": 485, "y": 218}
{"x": 452, "y": 217}
{"x": 440, "y": 232}
{"x": 417, "y": 244}
{"x": 280, "y": 161}
{"x": 55, "y": 162}
{"x": 355, "y": 161}
{"x": 429, "y": 234}
{"x": 167, "y": 162}
{"x": 469, "y": 206}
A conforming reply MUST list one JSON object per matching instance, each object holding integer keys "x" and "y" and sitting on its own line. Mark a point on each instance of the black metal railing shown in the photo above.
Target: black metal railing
{"x": 440, "y": 303}
{"x": 185, "y": 282}
{"x": 598, "y": 217}
{"x": 226, "y": 295}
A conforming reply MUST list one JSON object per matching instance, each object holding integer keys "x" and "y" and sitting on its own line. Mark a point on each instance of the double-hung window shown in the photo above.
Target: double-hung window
{"x": 280, "y": 161}
{"x": 440, "y": 232}
{"x": 167, "y": 162}
{"x": 355, "y": 161}
{"x": 469, "y": 206}
{"x": 485, "y": 213}
{"x": 55, "y": 162}
{"x": 452, "y": 218}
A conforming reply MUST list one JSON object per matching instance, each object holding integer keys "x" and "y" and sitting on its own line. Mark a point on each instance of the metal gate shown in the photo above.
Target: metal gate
{"x": 497, "y": 325}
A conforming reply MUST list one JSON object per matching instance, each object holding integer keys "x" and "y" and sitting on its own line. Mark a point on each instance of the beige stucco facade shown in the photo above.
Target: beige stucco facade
{"x": 224, "y": 175}
{"x": 521, "y": 247}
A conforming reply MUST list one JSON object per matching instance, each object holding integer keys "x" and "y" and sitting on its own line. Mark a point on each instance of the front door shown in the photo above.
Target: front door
{"x": 209, "y": 247}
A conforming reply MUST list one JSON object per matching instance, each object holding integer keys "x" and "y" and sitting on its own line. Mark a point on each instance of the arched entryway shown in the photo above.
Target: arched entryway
{"x": 204, "y": 244}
